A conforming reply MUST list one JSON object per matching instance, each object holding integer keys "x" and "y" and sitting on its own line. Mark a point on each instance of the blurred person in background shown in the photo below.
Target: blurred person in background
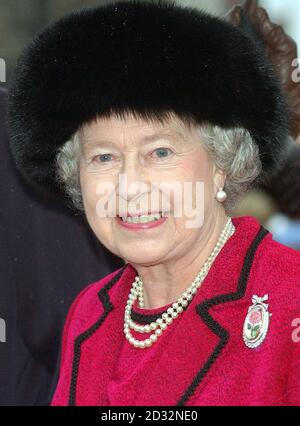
{"x": 277, "y": 203}
{"x": 47, "y": 256}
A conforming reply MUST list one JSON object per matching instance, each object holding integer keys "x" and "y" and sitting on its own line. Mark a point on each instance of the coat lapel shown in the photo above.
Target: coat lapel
{"x": 204, "y": 310}
{"x": 167, "y": 365}
{"x": 94, "y": 349}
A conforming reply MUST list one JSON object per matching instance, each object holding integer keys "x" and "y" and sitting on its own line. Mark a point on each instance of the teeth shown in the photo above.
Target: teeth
{"x": 142, "y": 219}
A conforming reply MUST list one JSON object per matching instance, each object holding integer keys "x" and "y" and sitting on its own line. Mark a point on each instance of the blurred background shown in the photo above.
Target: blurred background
{"x": 21, "y": 19}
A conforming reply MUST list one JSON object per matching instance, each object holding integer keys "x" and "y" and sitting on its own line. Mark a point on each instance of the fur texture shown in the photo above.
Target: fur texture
{"x": 146, "y": 58}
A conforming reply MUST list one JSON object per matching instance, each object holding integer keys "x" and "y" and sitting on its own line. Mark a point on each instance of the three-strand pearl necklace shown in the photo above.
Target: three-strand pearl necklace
{"x": 177, "y": 307}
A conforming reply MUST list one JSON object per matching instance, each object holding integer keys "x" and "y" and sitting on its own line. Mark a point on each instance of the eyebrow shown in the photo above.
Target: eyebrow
{"x": 145, "y": 139}
{"x": 161, "y": 135}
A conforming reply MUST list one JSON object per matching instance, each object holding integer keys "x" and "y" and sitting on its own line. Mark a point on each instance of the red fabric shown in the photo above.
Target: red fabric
{"x": 112, "y": 372}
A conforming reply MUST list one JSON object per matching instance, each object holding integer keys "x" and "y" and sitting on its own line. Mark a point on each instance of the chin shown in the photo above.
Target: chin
{"x": 138, "y": 261}
{"x": 143, "y": 256}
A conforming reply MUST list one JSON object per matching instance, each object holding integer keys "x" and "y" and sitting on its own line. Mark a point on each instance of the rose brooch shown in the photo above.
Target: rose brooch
{"x": 256, "y": 323}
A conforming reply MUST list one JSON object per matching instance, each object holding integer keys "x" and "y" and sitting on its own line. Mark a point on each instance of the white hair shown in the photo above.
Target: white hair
{"x": 233, "y": 151}
{"x": 236, "y": 154}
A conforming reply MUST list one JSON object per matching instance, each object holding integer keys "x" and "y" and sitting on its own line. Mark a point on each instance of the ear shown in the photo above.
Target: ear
{"x": 219, "y": 178}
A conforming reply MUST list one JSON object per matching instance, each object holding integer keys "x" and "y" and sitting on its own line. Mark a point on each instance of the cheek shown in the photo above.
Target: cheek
{"x": 199, "y": 169}
{"x": 196, "y": 166}
{"x": 102, "y": 227}
{"x": 202, "y": 170}
{"x": 96, "y": 190}
{"x": 95, "y": 195}
{"x": 88, "y": 189}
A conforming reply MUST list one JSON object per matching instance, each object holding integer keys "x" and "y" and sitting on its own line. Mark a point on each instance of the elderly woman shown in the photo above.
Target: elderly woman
{"x": 154, "y": 118}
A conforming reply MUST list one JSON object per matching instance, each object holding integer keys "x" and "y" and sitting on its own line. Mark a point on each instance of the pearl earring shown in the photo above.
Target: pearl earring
{"x": 221, "y": 195}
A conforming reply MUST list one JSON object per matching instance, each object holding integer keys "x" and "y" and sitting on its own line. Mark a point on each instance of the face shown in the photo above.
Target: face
{"x": 130, "y": 168}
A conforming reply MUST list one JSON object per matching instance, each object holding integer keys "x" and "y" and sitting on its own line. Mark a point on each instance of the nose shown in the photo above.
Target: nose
{"x": 132, "y": 184}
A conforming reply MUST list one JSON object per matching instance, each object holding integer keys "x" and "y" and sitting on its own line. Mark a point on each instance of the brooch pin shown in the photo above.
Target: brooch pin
{"x": 256, "y": 323}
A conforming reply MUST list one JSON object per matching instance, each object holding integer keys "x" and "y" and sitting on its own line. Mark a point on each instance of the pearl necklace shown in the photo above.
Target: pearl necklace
{"x": 177, "y": 307}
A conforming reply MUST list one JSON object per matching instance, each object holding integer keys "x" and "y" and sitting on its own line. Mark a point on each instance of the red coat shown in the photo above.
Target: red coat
{"x": 201, "y": 359}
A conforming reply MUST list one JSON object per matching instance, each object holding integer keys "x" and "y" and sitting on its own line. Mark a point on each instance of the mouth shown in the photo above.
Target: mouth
{"x": 144, "y": 218}
{"x": 142, "y": 221}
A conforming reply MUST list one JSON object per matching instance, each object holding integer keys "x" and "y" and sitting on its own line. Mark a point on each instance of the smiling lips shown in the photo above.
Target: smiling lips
{"x": 141, "y": 221}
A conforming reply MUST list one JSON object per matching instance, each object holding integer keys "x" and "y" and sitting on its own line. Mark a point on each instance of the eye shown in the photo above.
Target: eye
{"x": 104, "y": 158}
{"x": 162, "y": 153}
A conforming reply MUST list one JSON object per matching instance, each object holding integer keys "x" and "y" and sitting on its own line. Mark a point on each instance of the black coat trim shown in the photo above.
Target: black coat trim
{"x": 104, "y": 297}
{"x": 203, "y": 310}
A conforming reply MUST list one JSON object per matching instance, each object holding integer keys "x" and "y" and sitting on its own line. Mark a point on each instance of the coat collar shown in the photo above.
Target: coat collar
{"x": 226, "y": 282}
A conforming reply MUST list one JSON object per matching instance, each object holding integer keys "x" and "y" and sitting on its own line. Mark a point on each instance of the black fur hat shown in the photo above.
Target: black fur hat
{"x": 147, "y": 58}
